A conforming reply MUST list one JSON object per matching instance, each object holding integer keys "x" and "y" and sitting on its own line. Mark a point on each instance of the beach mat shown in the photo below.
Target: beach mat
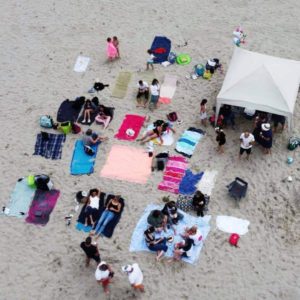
{"x": 207, "y": 182}
{"x": 173, "y": 174}
{"x": 68, "y": 111}
{"x": 167, "y": 89}
{"x": 110, "y": 227}
{"x": 93, "y": 117}
{"x": 20, "y": 199}
{"x": 41, "y": 207}
{"x": 138, "y": 240}
{"x": 232, "y": 225}
{"x": 49, "y": 145}
{"x": 82, "y": 163}
{"x": 161, "y": 47}
{"x": 187, "y": 143}
{"x": 81, "y": 64}
{"x": 121, "y": 85}
{"x": 128, "y": 164}
{"x": 133, "y": 122}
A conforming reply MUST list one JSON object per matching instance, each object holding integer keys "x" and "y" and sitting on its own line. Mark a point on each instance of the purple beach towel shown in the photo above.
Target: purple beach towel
{"x": 41, "y": 207}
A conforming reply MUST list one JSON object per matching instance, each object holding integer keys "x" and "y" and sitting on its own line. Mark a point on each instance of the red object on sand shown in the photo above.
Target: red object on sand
{"x": 233, "y": 239}
{"x": 160, "y": 50}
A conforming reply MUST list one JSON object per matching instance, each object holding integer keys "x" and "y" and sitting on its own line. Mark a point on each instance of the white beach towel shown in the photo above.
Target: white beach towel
{"x": 81, "y": 64}
{"x": 168, "y": 89}
{"x": 232, "y": 224}
{"x": 207, "y": 182}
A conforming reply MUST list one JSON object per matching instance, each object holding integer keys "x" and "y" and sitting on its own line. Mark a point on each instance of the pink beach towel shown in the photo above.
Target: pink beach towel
{"x": 127, "y": 163}
{"x": 130, "y": 127}
{"x": 175, "y": 170}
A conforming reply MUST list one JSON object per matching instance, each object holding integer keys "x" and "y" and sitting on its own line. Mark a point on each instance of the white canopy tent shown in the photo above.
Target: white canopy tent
{"x": 261, "y": 82}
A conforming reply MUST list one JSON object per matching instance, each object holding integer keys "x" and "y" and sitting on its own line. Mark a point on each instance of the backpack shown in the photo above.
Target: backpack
{"x": 172, "y": 117}
{"x": 65, "y": 127}
{"x": 234, "y": 239}
{"x": 89, "y": 151}
{"x": 199, "y": 70}
{"x": 46, "y": 121}
{"x": 293, "y": 143}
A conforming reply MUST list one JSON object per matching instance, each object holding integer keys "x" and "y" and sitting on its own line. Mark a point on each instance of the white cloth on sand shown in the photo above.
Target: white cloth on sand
{"x": 232, "y": 224}
{"x": 81, "y": 64}
{"x": 207, "y": 182}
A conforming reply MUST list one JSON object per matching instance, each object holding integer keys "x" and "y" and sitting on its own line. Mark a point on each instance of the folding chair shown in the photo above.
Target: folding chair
{"x": 238, "y": 188}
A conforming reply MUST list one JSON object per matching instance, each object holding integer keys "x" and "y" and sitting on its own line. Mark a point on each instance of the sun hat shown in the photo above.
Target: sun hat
{"x": 265, "y": 126}
{"x": 130, "y": 132}
{"x": 127, "y": 268}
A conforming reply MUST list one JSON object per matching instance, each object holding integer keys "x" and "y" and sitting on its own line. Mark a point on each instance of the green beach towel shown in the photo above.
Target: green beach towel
{"x": 121, "y": 86}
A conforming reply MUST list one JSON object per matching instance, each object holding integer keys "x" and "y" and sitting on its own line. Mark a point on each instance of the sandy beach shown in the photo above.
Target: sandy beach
{"x": 40, "y": 41}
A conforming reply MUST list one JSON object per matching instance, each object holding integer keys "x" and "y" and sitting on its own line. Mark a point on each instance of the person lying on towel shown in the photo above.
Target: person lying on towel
{"x": 92, "y": 206}
{"x": 112, "y": 208}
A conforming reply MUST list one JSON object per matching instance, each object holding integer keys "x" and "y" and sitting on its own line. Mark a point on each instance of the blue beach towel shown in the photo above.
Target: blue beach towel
{"x": 82, "y": 163}
{"x": 161, "y": 47}
{"x": 49, "y": 145}
{"x": 20, "y": 199}
{"x": 138, "y": 240}
{"x": 188, "y": 183}
{"x": 188, "y": 141}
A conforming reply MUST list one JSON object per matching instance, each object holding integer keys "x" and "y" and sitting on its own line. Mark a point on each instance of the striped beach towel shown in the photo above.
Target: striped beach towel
{"x": 188, "y": 141}
{"x": 175, "y": 170}
{"x": 49, "y": 145}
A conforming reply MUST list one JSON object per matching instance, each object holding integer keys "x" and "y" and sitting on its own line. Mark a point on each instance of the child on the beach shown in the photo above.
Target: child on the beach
{"x": 150, "y": 60}
{"x": 116, "y": 44}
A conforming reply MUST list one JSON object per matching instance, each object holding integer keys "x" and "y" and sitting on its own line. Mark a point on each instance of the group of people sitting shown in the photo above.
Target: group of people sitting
{"x": 161, "y": 220}
{"x": 142, "y": 97}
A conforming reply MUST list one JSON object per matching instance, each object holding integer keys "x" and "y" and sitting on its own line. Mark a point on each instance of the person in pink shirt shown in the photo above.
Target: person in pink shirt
{"x": 111, "y": 50}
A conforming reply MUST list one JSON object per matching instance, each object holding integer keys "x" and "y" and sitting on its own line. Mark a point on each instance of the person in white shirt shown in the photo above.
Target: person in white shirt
{"x": 150, "y": 60}
{"x": 135, "y": 276}
{"x": 247, "y": 140}
{"x": 155, "y": 89}
{"x": 143, "y": 92}
{"x": 103, "y": 275}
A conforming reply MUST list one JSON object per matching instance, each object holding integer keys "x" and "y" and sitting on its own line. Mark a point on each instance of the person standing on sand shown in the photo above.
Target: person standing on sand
{"x": 247, "y": 140}
{"x": 150, "y": 60}
{"x": 135, "y": 276}
{"x": 116, "y": 44}
{"x": 104, "y": 275}
{"x": 155, "y": 90}
{"x": 203, "y": 113}
{"x": 221, "y": 139}
{"x": 90, "y": 250}
{"x": 111, "y": 50}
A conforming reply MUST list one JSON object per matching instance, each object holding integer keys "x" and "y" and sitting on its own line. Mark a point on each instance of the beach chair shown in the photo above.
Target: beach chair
{"x": 238, "y": 188}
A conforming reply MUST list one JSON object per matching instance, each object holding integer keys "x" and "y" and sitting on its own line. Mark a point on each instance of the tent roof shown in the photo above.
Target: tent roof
{"x": 261, "y": 82}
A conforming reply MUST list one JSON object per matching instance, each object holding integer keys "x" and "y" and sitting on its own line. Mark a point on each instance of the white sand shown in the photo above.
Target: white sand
{"x": 40, "y": 41}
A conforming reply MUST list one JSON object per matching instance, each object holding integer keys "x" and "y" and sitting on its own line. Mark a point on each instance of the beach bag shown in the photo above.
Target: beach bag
{"x": 172, "y": 58}
{"x": 199, "y": 70}
{"x": 234, "y": 239}
{"x": 89, "y": 151}
{"x": 76, "y": 128}
{"x": 293, "y": 143}
{"x": 46, "y": 122}
{"x": 65, "y": 127}
{"x": 172, "y": 117}
{"x": 207, "y": 75}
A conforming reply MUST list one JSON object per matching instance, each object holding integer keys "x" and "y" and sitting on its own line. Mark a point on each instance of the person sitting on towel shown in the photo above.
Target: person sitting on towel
{"x": 103, "y": 116}
{"x": 193, "y": 233}
{"x": 113, "y": 207}
{"x": 87, "y": 110}
{"x": 166, "y": 127}
{"x": 91, "y": 138}
{"x": 158, "y": 220}
{"x": 183, "y": 249}
{"x": 152, "y": 134}
{"x": 198, "y": 203}
{"x": 159, "y": 245}
{"x": 170, "y": 210}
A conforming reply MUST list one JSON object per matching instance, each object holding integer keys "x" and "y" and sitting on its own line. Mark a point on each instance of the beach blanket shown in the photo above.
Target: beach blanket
{"x": 174, "y": 171}
{"x": 167, "y": 136}
{"x": 232, "y": 225}
{"x": 41, "y": 207}
{"x": 50, "y": 146}
{"x": 127, "y": 163}
{"x": 20, "y": 199}
{"x": 187, "y": 143}
{"x": 138, "y": 240}
{"x": 69, "y": 111}
{"x": 167, "y": 89}
{"x": 82, "y": 163}
{"x": 185, "y": 202}
{"x": 207, "y": 182}
{"x": 133, "y": 122}
{"x": 188, "y": 183}
{"x": 121, "y": 85}
{"x": 161, "y": 47}
{"x": 93, "y": 115}
{"x": 81, "y": 64}
{"x": 96, "y": 215}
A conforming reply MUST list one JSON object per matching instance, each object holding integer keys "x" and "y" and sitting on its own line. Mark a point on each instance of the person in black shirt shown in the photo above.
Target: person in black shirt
{"x": 199, "y": 203}
{"x": 90, "y": 250}
{"x": 221, "y": 139}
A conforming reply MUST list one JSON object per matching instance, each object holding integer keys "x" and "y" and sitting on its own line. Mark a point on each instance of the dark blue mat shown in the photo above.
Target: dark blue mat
{"x": 161, "y": 48}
